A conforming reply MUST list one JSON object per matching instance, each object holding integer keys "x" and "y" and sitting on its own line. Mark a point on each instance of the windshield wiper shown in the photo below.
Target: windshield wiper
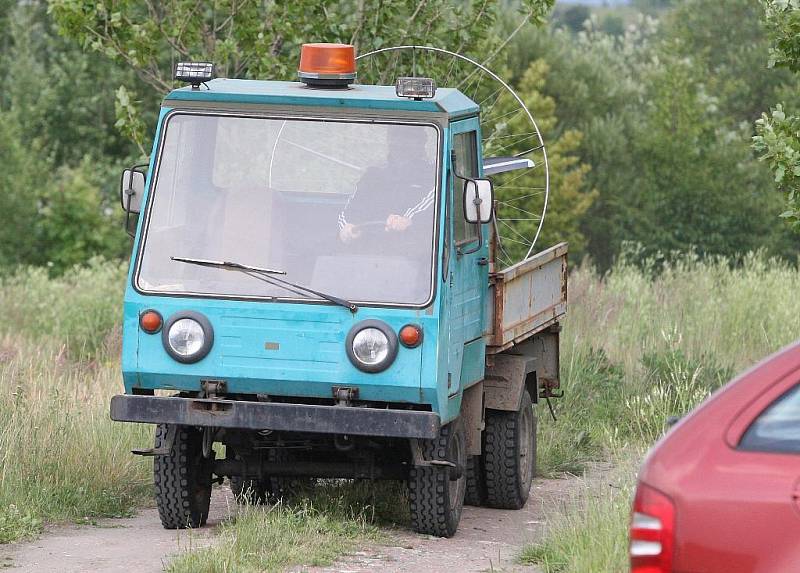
{"x": 227, "y": 265}
{"x": 266, "y": 276}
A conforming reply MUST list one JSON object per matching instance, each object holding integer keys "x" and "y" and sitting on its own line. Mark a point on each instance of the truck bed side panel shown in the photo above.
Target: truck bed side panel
{"x": 527, "y": 298}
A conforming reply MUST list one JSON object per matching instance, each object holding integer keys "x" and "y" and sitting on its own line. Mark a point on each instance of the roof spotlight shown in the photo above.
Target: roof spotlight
{"x": 416, "y": 88}
{"x": 194, "y": 73}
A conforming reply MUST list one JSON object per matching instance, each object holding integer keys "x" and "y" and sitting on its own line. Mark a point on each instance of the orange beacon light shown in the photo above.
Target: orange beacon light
{"x": 327, "y": 65}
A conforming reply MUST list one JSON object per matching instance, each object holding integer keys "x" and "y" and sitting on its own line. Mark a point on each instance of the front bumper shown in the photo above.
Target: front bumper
{"x": 274, "y": 416}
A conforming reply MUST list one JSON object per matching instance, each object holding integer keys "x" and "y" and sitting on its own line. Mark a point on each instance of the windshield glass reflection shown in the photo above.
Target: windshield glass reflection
{"x": 344, "y": 208}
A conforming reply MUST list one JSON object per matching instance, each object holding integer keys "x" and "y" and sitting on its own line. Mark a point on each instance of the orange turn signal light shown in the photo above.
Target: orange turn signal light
{"x": 332, "y": 64}
{"x": 150, "y": 321}
{"x": 411, "y": 336}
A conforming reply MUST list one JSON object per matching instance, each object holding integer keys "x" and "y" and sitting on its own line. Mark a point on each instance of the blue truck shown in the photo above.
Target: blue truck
{"x": 313, "y": 285}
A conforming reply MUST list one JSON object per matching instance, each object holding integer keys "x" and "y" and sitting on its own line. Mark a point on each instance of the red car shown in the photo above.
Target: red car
{"x": 720, "y": 493}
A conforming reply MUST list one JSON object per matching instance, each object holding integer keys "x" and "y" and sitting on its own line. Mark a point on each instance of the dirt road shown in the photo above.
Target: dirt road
{"x": 487, "y": 540}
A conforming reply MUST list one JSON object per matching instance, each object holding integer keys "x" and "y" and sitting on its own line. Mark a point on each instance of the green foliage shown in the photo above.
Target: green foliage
{"x": 315, "y": 530}
{"x": 58, "y": 146}
{"x": 783, "y": 20}
{"x": 16, "y": 524}
{"x": 575, "y": 16}
{"x": 665, "y": 111}
{"x": 262, "y": 40}
{"x": 778, "y": 132}
{"x": 59, "y": 346}
{"x": 777, "y": 139}
{"x": 570, "y": 196}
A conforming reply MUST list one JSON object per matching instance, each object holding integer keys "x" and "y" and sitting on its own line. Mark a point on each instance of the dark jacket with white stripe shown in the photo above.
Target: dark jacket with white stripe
{"x": 395, "y": 189}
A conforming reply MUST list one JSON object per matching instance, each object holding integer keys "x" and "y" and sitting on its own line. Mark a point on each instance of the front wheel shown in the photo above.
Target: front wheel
{"x": 509, "y": 455}
{"x": 182, "y": 478}
{"x": 436, "y": 492}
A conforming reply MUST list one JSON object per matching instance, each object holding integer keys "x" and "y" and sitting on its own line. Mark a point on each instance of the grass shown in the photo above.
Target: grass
{"x": 321, "y": 526}
{"x": 642, "y": 344}
{"x": 61, "y": 457}
{"x": 591, "y": 526}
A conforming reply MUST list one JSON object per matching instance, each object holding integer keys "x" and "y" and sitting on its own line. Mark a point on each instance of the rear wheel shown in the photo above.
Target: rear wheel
{"x": 509, "y": 455}
{"x": 182, "y": 478}
{"x": 436, "y": 492}
{"x": 476, "y": 483}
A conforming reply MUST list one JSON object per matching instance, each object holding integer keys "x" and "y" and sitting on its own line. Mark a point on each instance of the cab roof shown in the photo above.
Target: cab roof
{"x": 447, "y": 100}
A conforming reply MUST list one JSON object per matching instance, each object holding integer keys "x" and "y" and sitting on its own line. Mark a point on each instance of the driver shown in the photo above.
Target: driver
{"x": 395, "y": 193}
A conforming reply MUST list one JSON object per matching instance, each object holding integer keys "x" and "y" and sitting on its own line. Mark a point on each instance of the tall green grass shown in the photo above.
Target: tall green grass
{"x": 79, "y": 311}
{"x": 642, "y": 344}
{"x": 61, "y": 457}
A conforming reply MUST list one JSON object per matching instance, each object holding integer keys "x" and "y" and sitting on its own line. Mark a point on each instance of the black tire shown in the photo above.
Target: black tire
{"x": 182, "y": 479}
{"x": 436, "y": 500}
{"x": 509, "y": 455}
{"x": 476, "y": 484}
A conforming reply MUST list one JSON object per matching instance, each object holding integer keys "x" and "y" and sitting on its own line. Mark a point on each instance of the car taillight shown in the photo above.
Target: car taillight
{"x": 652, "y": 534}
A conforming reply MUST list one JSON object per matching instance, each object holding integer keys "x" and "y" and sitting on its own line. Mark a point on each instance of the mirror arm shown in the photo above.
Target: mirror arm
{"x": 478, "y": 246}
{"x": 129, "y": 193}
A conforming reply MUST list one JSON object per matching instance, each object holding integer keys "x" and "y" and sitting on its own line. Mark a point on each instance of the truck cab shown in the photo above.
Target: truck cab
{"x": 312, "y": 285}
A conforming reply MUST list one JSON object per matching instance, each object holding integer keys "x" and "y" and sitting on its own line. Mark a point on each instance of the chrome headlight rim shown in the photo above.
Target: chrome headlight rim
{"x": 208, "y": 336}
{"x": 391, "y": 337}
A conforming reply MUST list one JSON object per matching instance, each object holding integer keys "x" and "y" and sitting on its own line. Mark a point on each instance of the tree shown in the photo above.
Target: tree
{"x": 778, "y": 132}
{"x": 575, "y": 16}
{"x": 665, "y": 111}
{"x": 570, "y": 197}
{"x": 60, "y": 150}
{"x": 261, "y": 39}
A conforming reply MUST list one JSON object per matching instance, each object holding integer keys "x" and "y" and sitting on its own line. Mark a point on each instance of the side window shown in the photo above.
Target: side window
{"x": 465, "y": 146}
{"x": 777, "y": 428}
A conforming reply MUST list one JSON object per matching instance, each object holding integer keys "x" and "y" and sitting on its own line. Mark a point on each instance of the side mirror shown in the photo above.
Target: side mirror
{"x": 131, "y": 189}
{"x": 478, "y": 200}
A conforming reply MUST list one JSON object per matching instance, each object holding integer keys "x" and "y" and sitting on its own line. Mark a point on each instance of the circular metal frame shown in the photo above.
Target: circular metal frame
{"x": 391, "y": 336}
{"x": 208, "y": 340}
{"x": 513, "y": 94}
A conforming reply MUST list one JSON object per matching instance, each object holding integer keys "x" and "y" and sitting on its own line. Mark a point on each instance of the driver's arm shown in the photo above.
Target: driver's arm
{"x": 397, "y": 222}
{"x": 347, "y": 231}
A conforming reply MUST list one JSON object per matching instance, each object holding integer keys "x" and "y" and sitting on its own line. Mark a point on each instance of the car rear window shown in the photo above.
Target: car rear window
{"x": 777, "y": 428}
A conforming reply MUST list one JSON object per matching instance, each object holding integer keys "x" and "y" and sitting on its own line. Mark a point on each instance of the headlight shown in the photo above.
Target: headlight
{"x": 187, "y": 336}
{"x": 371, "y": 346}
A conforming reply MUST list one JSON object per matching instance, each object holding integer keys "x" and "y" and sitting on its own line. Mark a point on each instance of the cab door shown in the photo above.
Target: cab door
{"x": 468, "y": 269}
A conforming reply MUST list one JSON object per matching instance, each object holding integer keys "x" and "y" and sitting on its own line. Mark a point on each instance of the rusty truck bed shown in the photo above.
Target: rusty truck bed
{"x": 526, "y": 298}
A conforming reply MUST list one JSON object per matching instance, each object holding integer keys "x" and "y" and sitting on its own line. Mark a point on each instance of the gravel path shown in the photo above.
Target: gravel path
{"x": 487, "y": 540}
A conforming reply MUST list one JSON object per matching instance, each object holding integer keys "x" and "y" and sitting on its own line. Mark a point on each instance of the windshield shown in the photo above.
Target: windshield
{"x": 345, "y": 208}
